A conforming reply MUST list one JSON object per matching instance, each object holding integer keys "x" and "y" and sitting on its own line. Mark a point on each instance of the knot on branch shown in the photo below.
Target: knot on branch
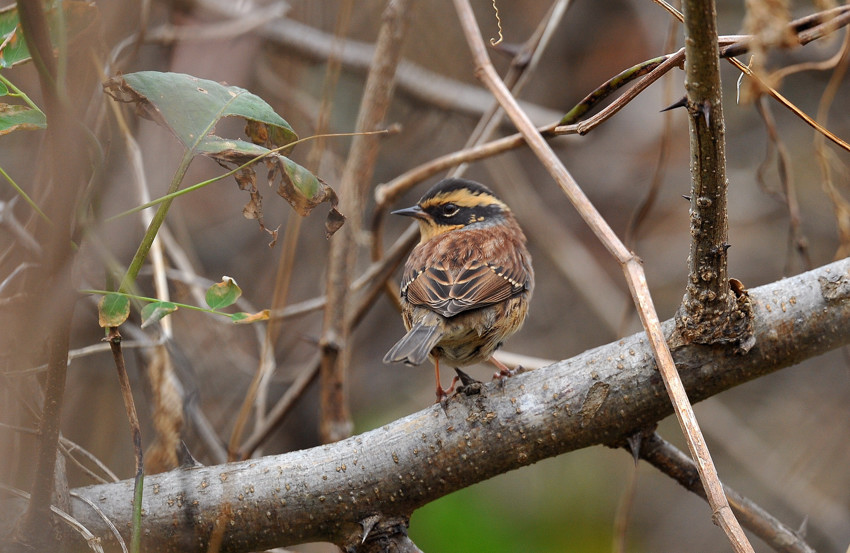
{"x": 703, "y": 322}
{"x": 835, "y": 288}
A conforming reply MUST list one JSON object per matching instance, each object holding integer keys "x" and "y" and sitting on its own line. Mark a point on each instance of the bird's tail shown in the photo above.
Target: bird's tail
{"x": 415, "y": 346}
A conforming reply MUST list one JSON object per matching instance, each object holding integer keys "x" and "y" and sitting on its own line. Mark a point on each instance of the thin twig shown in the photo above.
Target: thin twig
{"x": 68, "y": 452}
{"x": 286, "y": 264}
{"x": 91, "y": 540}
{"x": 674, "y": 463}
{"x": 791, "y": 106}
{"x": 114, "y": 339}
{"x": 521, "y": 68}
{"x": 336, "y": 421}
{"x": 105, "y": 519}
{"x": 630, "y": 263}
{"x": 788, "y": 194}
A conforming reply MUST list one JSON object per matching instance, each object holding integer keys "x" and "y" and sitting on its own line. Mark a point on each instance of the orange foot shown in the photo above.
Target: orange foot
{"x": 505, "y": 372}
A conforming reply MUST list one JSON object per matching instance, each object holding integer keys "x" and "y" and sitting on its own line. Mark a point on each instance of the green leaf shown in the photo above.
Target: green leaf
{"x": 154, "y": 312}
{"x": 77, "y": 18}
{"x": 191, "y": 107}
{"x": 223, "y": 294}
{"x": 113, "y": 310}
{"x": 4, "y": 90}
{"x": 13, "y": 118}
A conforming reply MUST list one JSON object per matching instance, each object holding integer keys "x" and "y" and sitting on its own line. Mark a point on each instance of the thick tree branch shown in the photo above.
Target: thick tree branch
{"x": 599, "y": 397}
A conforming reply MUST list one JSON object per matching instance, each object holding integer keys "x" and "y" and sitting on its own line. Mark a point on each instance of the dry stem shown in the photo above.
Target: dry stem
{"x": 631, "y": 266}
{"x": 336, "y": 419}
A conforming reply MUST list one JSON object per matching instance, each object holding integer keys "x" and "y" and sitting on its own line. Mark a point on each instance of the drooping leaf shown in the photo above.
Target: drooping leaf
{"x": 298, "y": 186}
{"x": 191, "y": 107}
{"x": 113, "y": 310}
{"x": 304, "y": 191}
{"x": 14, "y": 118}
{"x": 77, "y": 17}
{"x": 155, "y": 311}
{"x": 223, "y": 294}
{"x": 247, "y": 318}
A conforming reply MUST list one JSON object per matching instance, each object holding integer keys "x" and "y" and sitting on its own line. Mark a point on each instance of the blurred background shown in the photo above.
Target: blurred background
{"x": 781, "y": 440}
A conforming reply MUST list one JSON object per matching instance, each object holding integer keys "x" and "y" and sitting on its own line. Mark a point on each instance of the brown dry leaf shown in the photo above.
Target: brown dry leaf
{"x": 161, "y": 455}
{"x": 304, "y": 191}
{"x": 767, "y": 21}
{"x": 247, "y": 318}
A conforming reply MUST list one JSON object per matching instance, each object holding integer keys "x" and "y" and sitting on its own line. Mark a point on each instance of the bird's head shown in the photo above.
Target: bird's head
{"x": 455, "y": 204}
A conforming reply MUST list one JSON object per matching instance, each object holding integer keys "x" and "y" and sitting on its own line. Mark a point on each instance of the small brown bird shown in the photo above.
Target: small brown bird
{"x": 467, "y": 284}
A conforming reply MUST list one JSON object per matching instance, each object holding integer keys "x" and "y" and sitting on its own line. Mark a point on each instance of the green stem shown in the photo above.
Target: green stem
{"x": 178, "y": 193}
{"x": 18, "y": 93}
{"x": 155, "y": 300}
{"x": 25, "y": 196}
{"x": 136, "y": 536}
{"x": 129, "y": 280}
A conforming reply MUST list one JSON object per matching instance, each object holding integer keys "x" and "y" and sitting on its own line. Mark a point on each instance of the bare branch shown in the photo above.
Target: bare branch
{"x": 357, "y": 175}
{"x": 671, "y": 461}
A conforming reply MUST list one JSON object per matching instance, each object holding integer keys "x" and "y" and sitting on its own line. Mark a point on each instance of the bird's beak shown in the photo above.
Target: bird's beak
{"x": 415, "y": 212}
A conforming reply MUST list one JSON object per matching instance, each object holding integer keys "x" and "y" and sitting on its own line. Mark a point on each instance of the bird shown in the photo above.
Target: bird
{"x": 467, "y": 284}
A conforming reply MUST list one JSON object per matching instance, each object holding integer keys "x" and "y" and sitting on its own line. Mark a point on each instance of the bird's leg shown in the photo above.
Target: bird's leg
{"x": 504, "y": 371}
{"x": 442, "y": 394}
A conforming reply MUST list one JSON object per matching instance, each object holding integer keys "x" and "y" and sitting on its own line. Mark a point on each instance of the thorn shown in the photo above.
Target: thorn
{"x": 185, "y": 458}
{"x": 686, "y": 197}
{"x": 705, "y": 109}
{"x": 468, "y": 385}
{"x": 804, "y": 527}
{"x": 368, "y": 524}
{"x": 683, "y": 103}
{"x": 465, "y": 379}
{"x": 726, "y": 246}
{"x": 634, "y": 442}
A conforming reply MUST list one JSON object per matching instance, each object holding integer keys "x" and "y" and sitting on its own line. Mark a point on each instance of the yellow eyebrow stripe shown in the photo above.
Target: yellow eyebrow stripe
{"x": 463, "y": 198}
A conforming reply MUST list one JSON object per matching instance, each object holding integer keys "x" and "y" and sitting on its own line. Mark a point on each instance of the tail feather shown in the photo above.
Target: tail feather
{"x": 415, "y": 346}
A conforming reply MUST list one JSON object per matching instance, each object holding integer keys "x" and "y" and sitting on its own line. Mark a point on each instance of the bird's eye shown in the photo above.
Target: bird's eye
{"x": 449, "y": 210}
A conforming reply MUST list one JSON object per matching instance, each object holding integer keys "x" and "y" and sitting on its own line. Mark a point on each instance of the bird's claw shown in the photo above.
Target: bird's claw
{"x": 505, "y": 373}
{"x": 443, "y": 394}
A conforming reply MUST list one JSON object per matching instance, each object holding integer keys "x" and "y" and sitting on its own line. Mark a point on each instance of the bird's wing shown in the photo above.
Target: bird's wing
{"x": 474, "y": 284}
